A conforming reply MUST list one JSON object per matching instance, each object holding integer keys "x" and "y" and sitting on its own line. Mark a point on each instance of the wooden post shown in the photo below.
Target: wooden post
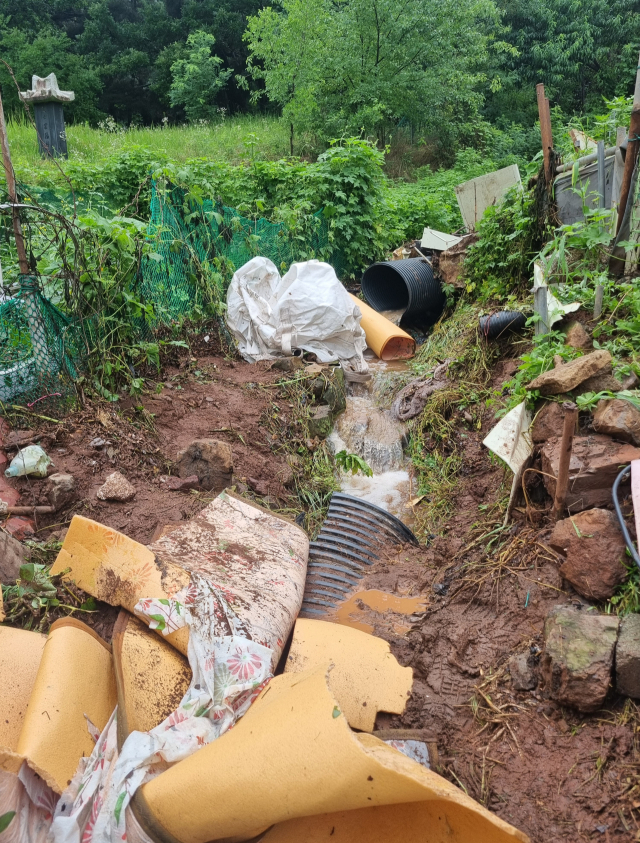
{"x": 13, "y": 197}
{"x": 545, "y": 131}
{"x": 562, "y": 483}
{"x": 632, "y": 150}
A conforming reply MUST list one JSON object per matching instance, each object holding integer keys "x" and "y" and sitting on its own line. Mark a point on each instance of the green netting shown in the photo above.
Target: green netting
{"x": 194, "y": 249}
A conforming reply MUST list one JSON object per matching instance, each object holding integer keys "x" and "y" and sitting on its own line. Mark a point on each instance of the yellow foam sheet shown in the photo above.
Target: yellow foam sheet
{"x": 74, "y": 681}
{"x": 383, "y": 337}
{"x": 118, "y": 570}
{"x": 20, "y": 656}
{"x": 151, "y": 676}
{"x": 293, "y": 756}
{"x": 366, "y": 677}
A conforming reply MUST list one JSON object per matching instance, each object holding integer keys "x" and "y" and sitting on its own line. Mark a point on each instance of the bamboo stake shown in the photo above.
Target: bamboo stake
{"x": 562, "y": 483}
{"x": 13, "y": 196}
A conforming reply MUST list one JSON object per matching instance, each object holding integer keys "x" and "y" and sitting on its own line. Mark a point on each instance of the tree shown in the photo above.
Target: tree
{"x": 342, "y": 65}
{"x": 198, "y": 78}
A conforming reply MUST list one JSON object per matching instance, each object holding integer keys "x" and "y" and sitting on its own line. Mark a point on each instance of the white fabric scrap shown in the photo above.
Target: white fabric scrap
{"x": 509, "y": 439}
{"x": 308, "y": 309}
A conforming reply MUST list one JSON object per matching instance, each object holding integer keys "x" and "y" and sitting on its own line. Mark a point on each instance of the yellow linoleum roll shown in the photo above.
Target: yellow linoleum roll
{"x": 383, "y": 337}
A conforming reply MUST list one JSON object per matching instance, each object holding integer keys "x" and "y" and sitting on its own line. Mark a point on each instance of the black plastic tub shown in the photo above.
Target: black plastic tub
{"x": 408, "y": 285}
{"x": 497, "y": 324}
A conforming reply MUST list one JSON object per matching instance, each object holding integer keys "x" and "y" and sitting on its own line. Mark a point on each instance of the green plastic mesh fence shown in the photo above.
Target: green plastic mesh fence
{"x": 43, "y": 350}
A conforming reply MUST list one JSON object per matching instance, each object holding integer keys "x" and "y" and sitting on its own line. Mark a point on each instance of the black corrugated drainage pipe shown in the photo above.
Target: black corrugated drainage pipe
{"x": 497, "y": 324}
{"x": 408, "y": 284}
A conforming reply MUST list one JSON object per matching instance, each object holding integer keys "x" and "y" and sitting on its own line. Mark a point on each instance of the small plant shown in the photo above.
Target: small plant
{"x": 5, "y": 819}
{"x": 627, "y": 596}
{"x": 353, "y": 463}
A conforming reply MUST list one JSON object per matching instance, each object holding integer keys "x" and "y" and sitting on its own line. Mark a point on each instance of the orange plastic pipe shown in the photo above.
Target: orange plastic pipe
{"x": 383, "y": 337}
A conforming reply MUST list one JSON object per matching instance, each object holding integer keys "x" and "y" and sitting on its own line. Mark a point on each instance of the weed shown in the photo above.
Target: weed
{"x": 627, "y": 597}
{"x": 353, "y": 463}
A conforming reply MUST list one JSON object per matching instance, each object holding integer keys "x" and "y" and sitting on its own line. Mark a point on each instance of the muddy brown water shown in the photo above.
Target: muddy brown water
{"x": 552, "y": 772}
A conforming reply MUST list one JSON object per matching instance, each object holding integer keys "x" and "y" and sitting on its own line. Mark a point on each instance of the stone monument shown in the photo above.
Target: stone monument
{"x": 48, "y": 100}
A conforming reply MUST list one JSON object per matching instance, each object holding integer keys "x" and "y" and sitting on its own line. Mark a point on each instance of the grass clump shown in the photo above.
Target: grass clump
{"x": 434, "y": 447}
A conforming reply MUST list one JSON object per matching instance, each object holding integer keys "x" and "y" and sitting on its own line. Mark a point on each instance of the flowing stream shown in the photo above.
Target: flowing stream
{"x": 367, "y": 429}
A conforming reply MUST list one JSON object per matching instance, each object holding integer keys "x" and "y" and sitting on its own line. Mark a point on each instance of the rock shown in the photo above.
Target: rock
{"x": 602, "y": 382}
{"x": 335, "y": 395}
{"x": 20, "y": 528}
{"x": 594, "y": 565}
{"x": 285, "y": 475}
{"x": 181, "y": 484}
{"x": 578, "y": 656}
{"x": 288, "y": 364}
{"x": 568, "y": 376}
{"x": 8, "y": 494}
{"x": 577, "y": 337}
{"x": 523, "y": 677}
{"x": 260, "y": 487}
{"x": 61, "y": 490}
{"x": 618, "y": 418}
{"x": 116, "y": 488}
{"x": 595, "y": 463}
{"x": 320, "y": 422}
{"x": 628, "y": 657}
{"x": 12, "y": 555}
{"x": 591, "y": 522}
{"x": 98, "y": 443}
{"x": 58, "y": 535}
{"x": 557, "y": 361}
{"x": 548, "y": 422}
{"x": 451, "y": 262}
{"x": 209, "y": 459}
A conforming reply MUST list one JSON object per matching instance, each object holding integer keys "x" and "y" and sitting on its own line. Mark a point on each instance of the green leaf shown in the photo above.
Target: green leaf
{"x": 5, "y": 819}
{"x": 118, "y": 808}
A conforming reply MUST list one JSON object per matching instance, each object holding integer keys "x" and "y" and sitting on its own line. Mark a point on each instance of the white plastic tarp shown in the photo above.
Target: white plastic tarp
{"x": 308, "y": 309}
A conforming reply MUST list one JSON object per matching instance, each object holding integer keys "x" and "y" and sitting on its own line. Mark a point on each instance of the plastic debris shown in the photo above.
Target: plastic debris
{"x": 30, "y": 460}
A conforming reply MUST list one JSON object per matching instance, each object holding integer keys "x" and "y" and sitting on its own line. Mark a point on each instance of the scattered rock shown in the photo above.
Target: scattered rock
{"x": 320, "y": 422}
{"x": 98, "y": 443}
{"x": 116, "y": 488}
{"x": 591, "y": 522}
{"x": 260, "y": 487}
{"x": 19, "y": 439}
{"x": 61, "y": 490}
{"x": 568, "y": 376}
{"x": 594, "y": 565}
{"x": 181, "y": 484}
{"x": 288, "y": 364}
{"x": 209, "y": 459}
{"x": 20, "y": 528}
{"x": 548, "y": 422}
{"x": 595, "y": 463}
{"x": 312, "y": 444}
{"x": 631, "y": 381}
{"x": 618, "y": 418}
{"x": 578, "y": 657}
{"x": 523, "y": 676}
{"x": 12, "y": 555}
{"x": 602, "y": 382}
{"x": 628, "y": 657}
{"x": 285, "y": 475}
{"x": 577, "y": 337}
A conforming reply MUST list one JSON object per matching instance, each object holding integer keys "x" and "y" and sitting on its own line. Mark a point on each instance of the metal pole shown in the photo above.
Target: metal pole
{"x": 540, "y": 307}
{"x": 562, "y": 483}
{"x": 545, "y": 130}
{"x": 632, "y": 150}
{"x": 601, "y": 180}
{"x": 13, "y": 197}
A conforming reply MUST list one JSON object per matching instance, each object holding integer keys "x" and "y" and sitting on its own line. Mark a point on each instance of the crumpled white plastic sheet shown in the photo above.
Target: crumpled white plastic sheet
{"x": 308, "y": 309}
{"x": 229, "y": 672}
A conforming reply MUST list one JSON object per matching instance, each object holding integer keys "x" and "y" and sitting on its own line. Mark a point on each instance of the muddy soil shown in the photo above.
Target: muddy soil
{"x": 552, "y": 772}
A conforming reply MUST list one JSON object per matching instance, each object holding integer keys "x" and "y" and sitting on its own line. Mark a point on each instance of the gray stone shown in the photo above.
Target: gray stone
{"x": 602, "y": 382}
{"x": 595, "y": 463}
{"x": 568, "y": 376}
{"x": 181, "y": 484}
{"x": 577, "y": 661}
{"x": 523, "y": 676}
{"x": 116, "y": 488}
{"x": 12, "y": 556}
{"x": 209, "y": 459}
{"x": 628, "y": 657}
{"x": 320, "y": 422}
{"x": 618, "y": 418}
{"x": 61, "y": 490}
{"x": 288, "y": 364}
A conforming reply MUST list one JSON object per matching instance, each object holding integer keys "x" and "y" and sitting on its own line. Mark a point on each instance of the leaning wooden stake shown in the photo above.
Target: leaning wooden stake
{"x": 562, "y": 483}
{"x": 545, "y": 131}
{"x": 13, "y": 196}
{"x": 632, "y": 151}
